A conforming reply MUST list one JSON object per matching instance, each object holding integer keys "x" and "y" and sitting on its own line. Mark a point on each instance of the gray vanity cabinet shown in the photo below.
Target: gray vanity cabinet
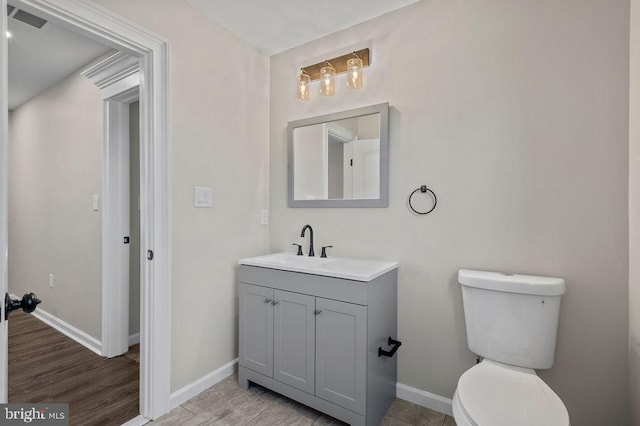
{"x": 315, "y": 339}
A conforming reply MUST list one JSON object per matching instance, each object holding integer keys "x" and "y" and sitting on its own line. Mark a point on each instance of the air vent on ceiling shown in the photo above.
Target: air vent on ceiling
{"x": 30, "y": 19}
{"x": 10, "y": 9}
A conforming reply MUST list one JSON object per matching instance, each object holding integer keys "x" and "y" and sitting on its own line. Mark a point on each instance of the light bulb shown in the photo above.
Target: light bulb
{"x": 354, "y": 73}
{"x": 328, "y": 80}
{"x": 303, "y": 87}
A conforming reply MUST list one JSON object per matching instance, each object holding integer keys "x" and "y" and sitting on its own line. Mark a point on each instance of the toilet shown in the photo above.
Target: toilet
{"x": 512, "y": 322}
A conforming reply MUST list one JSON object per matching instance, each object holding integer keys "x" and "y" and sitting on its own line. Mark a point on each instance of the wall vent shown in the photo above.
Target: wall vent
{"x": 30, "y": 19}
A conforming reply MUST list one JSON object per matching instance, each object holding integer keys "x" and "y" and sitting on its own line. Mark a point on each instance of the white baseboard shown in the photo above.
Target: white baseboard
{"x": 134, "y": 339}
{"x": 70, "y": 331}
{"x": 417, "y": 396}
{"x": 184, "y": 394}
{"x": 137, "y": 421}
{"x": 425, "y": 399}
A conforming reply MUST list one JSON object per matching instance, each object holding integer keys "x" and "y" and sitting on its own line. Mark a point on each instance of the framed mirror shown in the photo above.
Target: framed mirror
{"x": 340, "y": 159}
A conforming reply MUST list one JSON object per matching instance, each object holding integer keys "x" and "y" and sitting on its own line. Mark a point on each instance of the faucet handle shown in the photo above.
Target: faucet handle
{"x": 324, "y": 251}
{"x": 299, "y": 248}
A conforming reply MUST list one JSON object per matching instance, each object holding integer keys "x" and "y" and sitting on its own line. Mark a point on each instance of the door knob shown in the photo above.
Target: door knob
{"x": 28, "y": 303}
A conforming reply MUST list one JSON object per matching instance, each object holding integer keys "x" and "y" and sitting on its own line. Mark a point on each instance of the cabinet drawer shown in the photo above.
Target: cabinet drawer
{"x": 314, "y": 285}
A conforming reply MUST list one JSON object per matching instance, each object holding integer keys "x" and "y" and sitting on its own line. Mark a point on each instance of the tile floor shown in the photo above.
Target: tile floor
{"x": 228, "y": 404}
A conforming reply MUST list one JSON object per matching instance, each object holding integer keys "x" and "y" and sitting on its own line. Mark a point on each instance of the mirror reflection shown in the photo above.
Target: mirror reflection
{"x": 338, "y": 160}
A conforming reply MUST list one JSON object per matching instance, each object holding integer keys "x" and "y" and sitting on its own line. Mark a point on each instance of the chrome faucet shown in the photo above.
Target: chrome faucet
{"x": 311, "y": 253}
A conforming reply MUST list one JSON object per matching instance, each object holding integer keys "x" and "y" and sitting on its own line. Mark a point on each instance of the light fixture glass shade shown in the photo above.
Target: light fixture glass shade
{"x": 328, "y": 80}
{"x": 302, "y": 91}
{"x": 354, "y": 73}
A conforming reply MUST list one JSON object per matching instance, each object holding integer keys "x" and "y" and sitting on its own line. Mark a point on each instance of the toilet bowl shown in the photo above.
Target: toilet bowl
{"x": 496, "y": 394}
{"x": 511, "y": 322}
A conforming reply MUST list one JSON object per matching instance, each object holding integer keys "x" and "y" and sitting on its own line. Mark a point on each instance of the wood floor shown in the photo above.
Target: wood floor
{"x": 46, "y": 366}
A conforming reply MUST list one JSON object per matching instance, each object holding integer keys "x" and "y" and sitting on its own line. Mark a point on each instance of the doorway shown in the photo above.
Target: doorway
{"x": 92, "y": 21}
{"x": 56, "y": 199}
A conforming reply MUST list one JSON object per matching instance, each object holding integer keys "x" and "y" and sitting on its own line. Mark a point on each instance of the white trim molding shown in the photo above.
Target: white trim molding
{"x": 118, "y": 74}
{"x": 4, "y": 190}
{"x": 187, "y": 392}
{"x": 68, "y": 330}
{"x": 134, "y": 339}
{"x": 152, "y": 51}
{"x": 425, "y": 399}
{"x": 118, "y": 78}
{"x": 115, "y": 226}
{"x": 115, "y": 68}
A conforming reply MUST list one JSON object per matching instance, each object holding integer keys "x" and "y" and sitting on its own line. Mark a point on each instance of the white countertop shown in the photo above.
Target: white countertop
{"x": 338, "y": 267}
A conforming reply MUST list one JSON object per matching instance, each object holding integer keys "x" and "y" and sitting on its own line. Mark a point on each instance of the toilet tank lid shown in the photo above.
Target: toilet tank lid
{"x": 512, "y": 283}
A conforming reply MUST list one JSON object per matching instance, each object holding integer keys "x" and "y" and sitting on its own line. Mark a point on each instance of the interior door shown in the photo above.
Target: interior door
{"x": 3, "y": 198}
{"x": 363, "y": 167}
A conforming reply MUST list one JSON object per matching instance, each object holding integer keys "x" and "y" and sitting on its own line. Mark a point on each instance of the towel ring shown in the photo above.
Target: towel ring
{"x": 423, "y": 189}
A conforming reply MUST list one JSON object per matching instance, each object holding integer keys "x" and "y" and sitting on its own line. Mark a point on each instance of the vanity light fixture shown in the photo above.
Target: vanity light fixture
{"x": 328, "y": 80}
{"x": 352, "y": 64}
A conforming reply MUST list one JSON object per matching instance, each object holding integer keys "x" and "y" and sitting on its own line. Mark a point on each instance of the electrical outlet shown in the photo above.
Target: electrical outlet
{"x": 264, "y": 217}
{"x": 50, "y": 280}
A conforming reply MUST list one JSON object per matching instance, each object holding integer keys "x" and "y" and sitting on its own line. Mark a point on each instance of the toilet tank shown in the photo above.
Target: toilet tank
{"x": 511, "y": 318}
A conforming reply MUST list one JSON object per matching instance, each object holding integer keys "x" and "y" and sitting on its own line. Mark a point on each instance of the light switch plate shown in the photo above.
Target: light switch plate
{"x": 202, "y": 196}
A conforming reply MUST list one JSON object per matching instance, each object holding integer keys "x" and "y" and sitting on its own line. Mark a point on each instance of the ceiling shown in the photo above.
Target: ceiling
{"x": 40, "y": 58}
{"x": 274, "y": 26}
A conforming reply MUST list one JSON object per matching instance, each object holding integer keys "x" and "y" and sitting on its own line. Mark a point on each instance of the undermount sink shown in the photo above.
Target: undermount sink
{"x": 338, "y": 267}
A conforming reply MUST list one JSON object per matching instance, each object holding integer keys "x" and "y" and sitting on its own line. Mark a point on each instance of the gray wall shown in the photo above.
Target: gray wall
{"x": 55, "y": 166}
{"x": 516, "y": 114}
{"x": 634, "y": 214}
{"x": 219, "y": 92}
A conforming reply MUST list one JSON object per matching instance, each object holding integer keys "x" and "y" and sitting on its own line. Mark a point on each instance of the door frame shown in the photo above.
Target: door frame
{"x": 116, "y": 224}
{"x": 152, "y": 51}
{"x": 118, "y": 78}
{"x": 4, "y": 192}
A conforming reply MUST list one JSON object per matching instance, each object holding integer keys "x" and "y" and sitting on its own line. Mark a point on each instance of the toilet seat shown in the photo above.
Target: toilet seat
{"x": 495, "y": 394}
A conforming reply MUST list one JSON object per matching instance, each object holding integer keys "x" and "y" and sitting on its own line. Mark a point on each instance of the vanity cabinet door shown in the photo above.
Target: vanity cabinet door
{"x": 341, "y": 353}
{"x": 294, "y": 339}
{"x": 256, "y": 328}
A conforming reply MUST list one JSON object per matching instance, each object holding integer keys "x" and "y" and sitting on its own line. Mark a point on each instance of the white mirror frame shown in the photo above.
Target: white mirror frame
{"x": 383, "y": 201}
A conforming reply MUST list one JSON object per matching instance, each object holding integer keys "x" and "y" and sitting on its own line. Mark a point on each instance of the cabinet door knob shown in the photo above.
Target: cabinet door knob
{"x": 317, "y": 311}
{"x": 275, "y": 302}
{"x": 268, "y": 300}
